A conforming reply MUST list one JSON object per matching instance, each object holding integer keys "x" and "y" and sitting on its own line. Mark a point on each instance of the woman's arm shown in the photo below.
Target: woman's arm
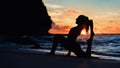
{"x": 89, "y": 41}
{"x": 91, "y": 29}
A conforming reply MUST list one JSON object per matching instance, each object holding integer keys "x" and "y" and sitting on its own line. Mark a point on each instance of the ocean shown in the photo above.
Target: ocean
{"x": 105, "y": 45}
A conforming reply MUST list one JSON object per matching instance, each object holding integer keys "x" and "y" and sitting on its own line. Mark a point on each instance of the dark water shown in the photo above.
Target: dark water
{"x": 102, "y": 44}
{"x": 108, "y": 45}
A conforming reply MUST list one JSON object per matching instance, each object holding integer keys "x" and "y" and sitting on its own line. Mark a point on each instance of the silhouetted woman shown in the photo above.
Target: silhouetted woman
{"x": 70, "y": 43}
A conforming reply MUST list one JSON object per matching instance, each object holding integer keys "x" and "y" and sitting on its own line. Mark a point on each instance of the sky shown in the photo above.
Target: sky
{"x": 104, "y": 13}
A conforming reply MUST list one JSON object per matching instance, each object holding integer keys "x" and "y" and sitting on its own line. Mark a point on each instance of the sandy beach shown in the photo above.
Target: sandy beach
{"x": 11, "y": 58}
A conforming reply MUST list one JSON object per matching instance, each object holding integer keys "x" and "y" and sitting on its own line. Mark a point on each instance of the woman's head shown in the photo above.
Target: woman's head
{"x": 83, "y": 21}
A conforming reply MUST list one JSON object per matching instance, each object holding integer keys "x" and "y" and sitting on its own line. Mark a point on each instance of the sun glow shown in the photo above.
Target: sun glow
{"x": 83, "y": 32}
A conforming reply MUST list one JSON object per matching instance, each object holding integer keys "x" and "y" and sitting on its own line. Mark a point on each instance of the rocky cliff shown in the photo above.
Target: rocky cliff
{"x": 19, "y": 17}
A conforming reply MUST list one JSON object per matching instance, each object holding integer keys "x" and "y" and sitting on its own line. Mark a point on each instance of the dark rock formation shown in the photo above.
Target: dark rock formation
{"x": 24, "y": 17}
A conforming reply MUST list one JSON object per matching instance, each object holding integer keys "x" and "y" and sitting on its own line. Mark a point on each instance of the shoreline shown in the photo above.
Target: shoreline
{"x": 59, "y": 52}
{"x": 44, "y": 51}
{"x": 14, "y": 58}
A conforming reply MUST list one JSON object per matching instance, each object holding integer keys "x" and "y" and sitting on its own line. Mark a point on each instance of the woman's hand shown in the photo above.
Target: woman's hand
{"x": 92, "y": 34}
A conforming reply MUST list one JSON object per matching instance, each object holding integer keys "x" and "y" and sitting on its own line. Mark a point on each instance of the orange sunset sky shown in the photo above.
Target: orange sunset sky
{"x": 105, "y": 14}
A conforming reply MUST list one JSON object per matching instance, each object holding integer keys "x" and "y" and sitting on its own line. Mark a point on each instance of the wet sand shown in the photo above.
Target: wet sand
{"x": 10, "y": 58}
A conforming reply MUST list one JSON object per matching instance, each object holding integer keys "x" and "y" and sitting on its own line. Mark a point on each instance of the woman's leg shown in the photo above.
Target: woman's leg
{"x": 69, "y": 45}
{"x": 57, "y": 39}
{"x": 75, "y": 48}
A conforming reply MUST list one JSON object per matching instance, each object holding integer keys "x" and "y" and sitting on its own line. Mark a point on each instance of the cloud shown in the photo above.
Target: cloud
{"x": 72, "y": 12}
{"x": 55, "y": 10}
{"x": 63, "y": 18}
{"x": 110, "y": 29}
{"x": 66, "y": 17}
{"x": 107, "y": 15}
{"x": 58, "y": 29}
{"x": 53, "y": 6}
{"x": 61, "y": 15}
